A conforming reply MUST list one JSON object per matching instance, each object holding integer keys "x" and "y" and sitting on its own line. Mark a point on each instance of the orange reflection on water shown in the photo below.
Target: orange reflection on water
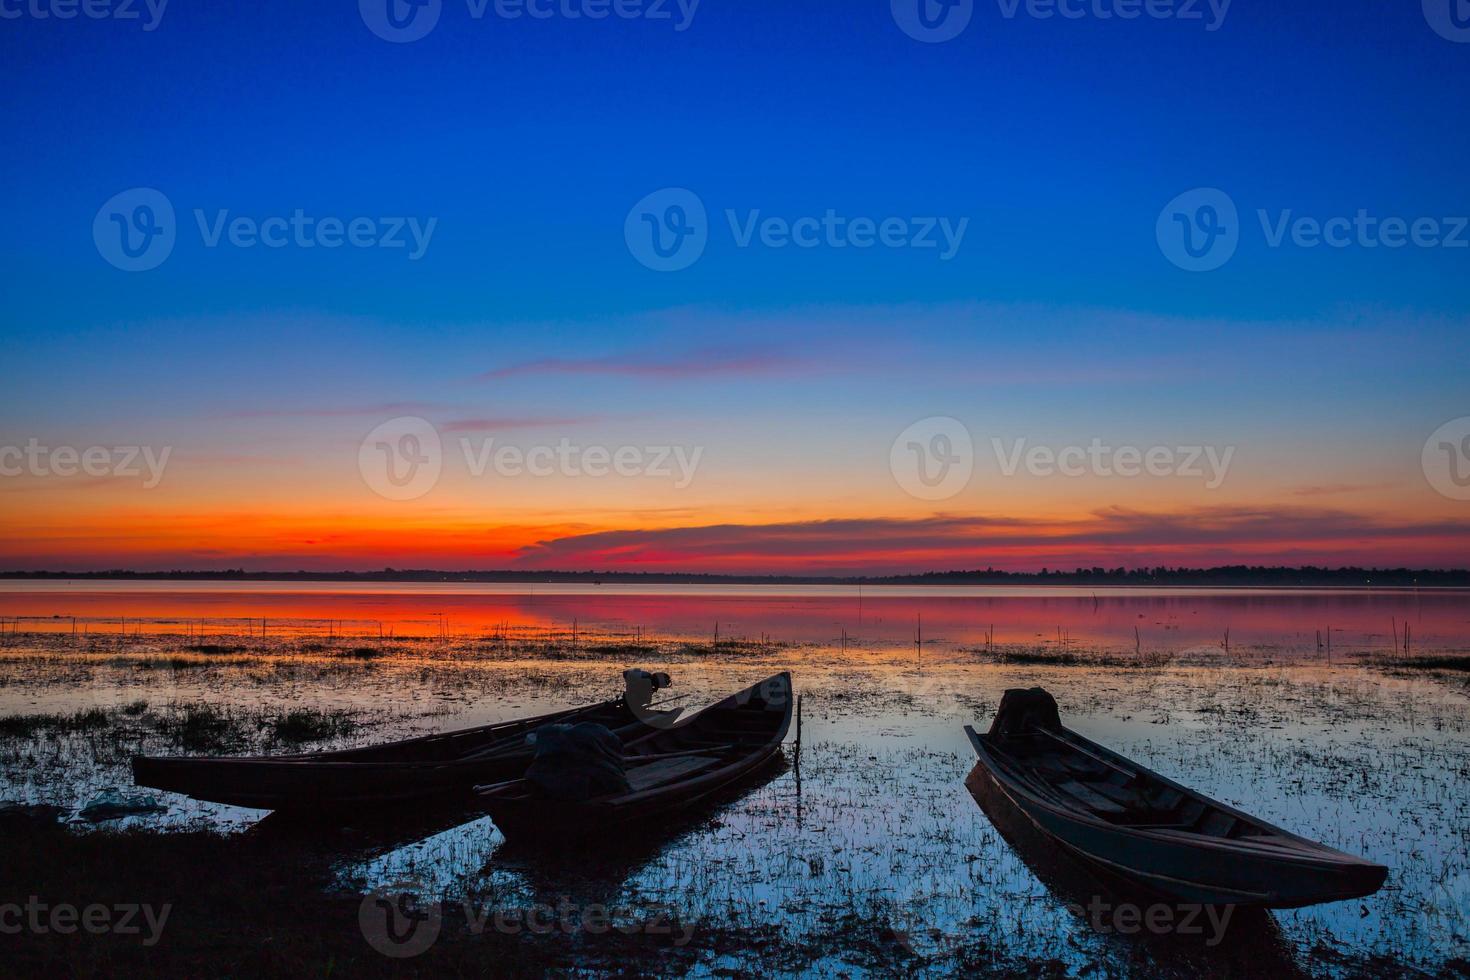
{"x": 1117, "y": 618}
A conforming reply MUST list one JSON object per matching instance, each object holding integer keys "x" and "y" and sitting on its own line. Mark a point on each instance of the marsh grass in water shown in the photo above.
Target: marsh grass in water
{"x": 28, "y": 726}
{"x": 869, "y": 858}
{"x": 193, "y": 727}
{"x": 303, "y": 725}
{"x": 1460, "y": 664}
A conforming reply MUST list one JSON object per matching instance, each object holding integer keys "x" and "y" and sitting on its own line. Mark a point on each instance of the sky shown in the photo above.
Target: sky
{"x": 830, "y": 287}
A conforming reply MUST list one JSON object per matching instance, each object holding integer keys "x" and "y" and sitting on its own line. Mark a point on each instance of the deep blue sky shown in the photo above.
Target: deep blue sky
{"x": 529, "y": 141}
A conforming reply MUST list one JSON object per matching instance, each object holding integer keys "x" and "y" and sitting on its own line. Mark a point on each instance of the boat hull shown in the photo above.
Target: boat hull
{"x": 1187, "y": 873}
{"x": 444, "y": 766}
{"x": 522, "y": 816}
{"x": 1268, "y": 867}
{"x": 319, "y": 786}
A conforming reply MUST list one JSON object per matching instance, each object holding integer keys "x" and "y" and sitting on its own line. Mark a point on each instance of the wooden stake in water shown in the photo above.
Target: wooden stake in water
{"x": 798, "y": 731}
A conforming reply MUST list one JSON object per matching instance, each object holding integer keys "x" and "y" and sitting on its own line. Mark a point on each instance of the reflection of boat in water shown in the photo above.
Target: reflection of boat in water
{"x": 601, "y": 875}
{"x": 667, "y": 770}
{"x": 1134, "y": 822}
{"x": 1198, "y": 941}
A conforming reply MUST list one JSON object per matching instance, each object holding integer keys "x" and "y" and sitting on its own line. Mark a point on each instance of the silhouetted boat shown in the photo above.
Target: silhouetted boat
{"x": 1133, "y": 822}
{"x": 668, "y": 770}
{"x": 428, "y": 767}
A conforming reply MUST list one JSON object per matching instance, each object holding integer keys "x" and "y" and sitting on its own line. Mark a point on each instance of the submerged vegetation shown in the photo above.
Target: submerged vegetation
{"x": 1457, "y": 663}
{"x": 194, "y": 727}
{"x": 868, "y": 857}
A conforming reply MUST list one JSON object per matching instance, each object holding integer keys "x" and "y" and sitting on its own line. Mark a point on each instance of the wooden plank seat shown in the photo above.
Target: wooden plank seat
{"x": 663, "y": 771}
{"x": 1090, "y": 798}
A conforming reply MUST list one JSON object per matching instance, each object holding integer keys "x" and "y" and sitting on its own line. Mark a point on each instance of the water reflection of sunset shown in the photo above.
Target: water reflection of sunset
{"x": 1117, "y": 618}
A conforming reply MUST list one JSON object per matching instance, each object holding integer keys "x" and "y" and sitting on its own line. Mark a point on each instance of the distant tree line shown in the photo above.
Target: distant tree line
{"x": 1223, "y": 575}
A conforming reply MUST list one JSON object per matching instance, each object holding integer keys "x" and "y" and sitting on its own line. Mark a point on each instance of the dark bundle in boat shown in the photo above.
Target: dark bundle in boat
{"x": 1133, "y": 822}
{"x": 433, "y": 766}
{"x": 666, "y": 770}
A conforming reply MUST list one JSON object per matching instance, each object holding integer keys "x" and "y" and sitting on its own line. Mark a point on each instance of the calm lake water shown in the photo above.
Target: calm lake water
{"x": 1173, "y": 619}
{"x": 869, "y": 857}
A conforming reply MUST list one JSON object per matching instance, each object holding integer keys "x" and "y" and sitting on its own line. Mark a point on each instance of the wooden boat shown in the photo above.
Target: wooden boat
{"x": 668, "y": 770}
{"x": 431, "y": 766}
{"x": 1134, "y": 823}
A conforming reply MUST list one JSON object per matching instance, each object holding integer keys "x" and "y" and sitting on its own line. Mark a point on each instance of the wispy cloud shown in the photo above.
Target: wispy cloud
{"x": 702, "y": 363}
{"x": 1336, "y": 489}
{"x": 509, "y": 423}
{"x": 1114, "y": 536}
{"x": 331, "y": 411}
